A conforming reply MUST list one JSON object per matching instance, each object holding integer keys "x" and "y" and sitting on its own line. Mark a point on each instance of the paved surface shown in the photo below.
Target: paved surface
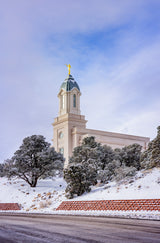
{"x": 58, "y": 228}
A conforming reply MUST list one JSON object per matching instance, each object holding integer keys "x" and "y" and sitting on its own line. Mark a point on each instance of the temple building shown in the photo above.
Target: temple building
{"x": 70, "y": 126}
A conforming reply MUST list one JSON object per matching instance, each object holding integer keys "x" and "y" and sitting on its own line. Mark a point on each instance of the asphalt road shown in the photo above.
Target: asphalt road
{"x": 75, "y": 229}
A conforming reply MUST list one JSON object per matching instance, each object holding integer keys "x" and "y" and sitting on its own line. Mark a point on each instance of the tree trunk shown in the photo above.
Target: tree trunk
{"x": 34, "y": 182}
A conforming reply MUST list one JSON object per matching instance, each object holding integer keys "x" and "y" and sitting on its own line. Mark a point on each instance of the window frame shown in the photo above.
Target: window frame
{"x": 74, "y": 100}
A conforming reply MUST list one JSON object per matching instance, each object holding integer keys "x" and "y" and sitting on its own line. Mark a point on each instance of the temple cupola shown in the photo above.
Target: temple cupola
{"x": 69, "y": 96}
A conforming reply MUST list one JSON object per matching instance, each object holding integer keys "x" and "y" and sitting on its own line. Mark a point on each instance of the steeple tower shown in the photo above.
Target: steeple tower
{"x": 69, "y": 97}
{"x": 69, "y": 117}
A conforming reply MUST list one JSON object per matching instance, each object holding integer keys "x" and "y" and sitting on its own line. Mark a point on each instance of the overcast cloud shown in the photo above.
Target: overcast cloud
{"x": 114, "y": 50}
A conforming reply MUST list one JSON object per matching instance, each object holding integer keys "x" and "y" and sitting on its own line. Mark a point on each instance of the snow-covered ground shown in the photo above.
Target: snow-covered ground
{"x": 145, "y": 185}
{"x": 49, "y": 193}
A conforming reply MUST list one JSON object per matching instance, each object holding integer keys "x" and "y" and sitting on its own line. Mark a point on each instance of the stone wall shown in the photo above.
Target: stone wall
{"x": 120, "y": 205}
{"x": 9, "y": 206}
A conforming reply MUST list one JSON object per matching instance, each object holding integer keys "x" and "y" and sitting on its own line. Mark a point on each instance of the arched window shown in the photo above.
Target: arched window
{"x": 74, "y": 100}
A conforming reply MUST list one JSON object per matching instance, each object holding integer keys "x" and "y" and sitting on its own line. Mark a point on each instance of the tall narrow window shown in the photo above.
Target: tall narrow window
{"x": 74, "y": 100}
{"x": 62, "y": 102}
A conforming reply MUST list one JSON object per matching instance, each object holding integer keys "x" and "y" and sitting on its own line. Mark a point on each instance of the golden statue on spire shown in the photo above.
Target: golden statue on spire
{"x": 69, "y": 68}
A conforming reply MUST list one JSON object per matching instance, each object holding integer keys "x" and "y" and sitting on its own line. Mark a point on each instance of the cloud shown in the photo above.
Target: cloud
{"x": 51, "y": 16}
{"x": 126, "y": 98}
{"x": 113, "y": 54}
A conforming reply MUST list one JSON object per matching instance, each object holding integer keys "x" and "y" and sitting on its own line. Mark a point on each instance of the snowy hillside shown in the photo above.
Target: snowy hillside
{"x": 145, "y": 185}
{"x": 50, "y": 193}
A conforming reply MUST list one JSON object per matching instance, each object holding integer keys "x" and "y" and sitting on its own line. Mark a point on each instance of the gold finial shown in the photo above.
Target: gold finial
{"x": 69, "y": 68}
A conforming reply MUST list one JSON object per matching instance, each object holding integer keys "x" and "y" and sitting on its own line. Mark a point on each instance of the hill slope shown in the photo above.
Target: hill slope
{"x": 49, "y": 193}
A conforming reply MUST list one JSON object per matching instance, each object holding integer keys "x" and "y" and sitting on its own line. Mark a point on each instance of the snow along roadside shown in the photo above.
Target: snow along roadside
{"x": 152, "y": 215}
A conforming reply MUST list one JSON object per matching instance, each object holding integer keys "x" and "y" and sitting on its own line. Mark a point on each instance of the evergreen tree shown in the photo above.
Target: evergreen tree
{"x": 91, "y": 162}
{"x": 34, "y": 159}
{"x": 1, "y": 170}
{"x": 81, "y": 172}
{"x": 78, "y": 180}
{"x": 123, "y": 171}
{"x": 106, "y": 163}
{"x": 128, "y": 161}
{"x": 151, "y": 157}
{"x": 130, "y": 155}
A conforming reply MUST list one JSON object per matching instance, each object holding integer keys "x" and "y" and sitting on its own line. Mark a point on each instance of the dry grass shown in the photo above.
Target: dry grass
{"x": 44, "y": 204}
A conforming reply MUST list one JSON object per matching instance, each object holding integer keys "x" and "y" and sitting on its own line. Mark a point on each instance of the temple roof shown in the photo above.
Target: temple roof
{"x": 69, "y": 84}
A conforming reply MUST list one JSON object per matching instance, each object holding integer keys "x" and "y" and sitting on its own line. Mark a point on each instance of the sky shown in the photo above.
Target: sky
{"x": 113, "y": 47}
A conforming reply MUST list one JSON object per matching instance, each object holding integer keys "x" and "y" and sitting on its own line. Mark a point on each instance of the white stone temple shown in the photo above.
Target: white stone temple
{"x": 70, "y": 126}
